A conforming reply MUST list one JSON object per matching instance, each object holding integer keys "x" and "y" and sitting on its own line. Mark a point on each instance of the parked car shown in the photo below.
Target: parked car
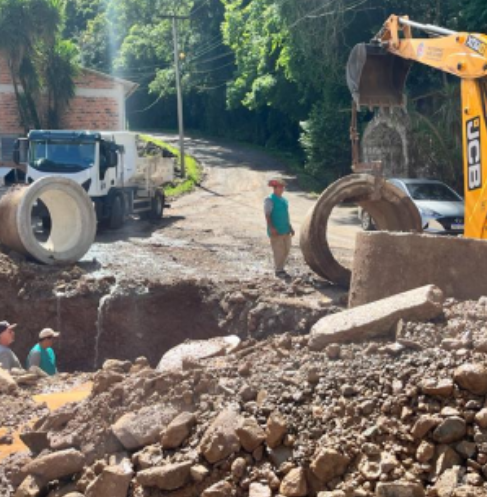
{"x": 442, "y": 210}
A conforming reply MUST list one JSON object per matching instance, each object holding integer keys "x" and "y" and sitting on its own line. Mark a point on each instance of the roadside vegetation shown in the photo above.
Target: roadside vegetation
{"x": 194, "y": 171}
{"x": 265, "y": 72}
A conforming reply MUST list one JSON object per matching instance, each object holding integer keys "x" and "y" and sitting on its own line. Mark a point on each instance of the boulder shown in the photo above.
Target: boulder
{"x": 37, "y": 441}
{"x": 275, "y": 430}
{"x": 472, "y": 377}
{"x": 250, "y": 434}
{"x": 138, "y": 429}
{"x": 294, "y": 484}
{"x": 7, "y": 384}
{"x": 104, "y": 380}
{"x": 259, "y": 490}
{"x": 30, "y": 487}
{"x": 56, "y": 465}
{"x": 442, "y": 388}
{"x": 328, "y": 464}
{"x": 220, "y": 489}
{"x": 378, "y": 318}
{"x": 178, "y": 430}
{"x": 113, "y": 481}
{"x": 168, "y": 477}
{"x": 220, "y": 439}
{"x": 399, "y": 489}
{"x": 451, "y": 430}
{"x": 117, "y": 365}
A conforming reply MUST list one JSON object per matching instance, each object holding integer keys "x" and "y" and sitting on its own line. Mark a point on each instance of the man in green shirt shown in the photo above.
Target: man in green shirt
{"x": 42, "y": 355}
{"x": 279, "y": 229}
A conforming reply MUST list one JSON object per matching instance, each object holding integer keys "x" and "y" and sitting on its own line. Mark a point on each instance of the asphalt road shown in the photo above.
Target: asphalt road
{"x": 219, "y": 229}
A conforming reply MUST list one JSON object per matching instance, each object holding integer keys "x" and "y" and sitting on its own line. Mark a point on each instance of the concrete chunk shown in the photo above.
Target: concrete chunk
{"x": 378, "y": 318}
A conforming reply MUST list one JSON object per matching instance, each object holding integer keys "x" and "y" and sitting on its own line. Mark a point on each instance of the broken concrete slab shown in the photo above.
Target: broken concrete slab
{"x": 196, "y": 350}
{"x": 378, "y": 318}
{"x": 387, "y": 263}
{"x": 138, "y": 429}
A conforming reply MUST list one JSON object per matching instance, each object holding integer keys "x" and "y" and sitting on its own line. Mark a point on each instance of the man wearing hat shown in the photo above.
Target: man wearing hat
{"x": 42, "y": 355}
{"x": 8, "y": 359}
{"x": 279, "y": 229}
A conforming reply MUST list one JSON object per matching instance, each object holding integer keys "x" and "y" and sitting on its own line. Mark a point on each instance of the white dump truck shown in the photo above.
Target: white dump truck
{"x": 108, "y": 166}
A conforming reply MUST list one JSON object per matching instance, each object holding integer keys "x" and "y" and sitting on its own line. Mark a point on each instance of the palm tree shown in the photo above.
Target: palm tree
{"x": 27, "y": 27}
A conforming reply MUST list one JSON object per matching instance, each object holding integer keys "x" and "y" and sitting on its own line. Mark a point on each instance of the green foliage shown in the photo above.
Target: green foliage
{"x": 271, "y": 72}
{"x": 35, "y": 52}
{"x": 193, "y": 169}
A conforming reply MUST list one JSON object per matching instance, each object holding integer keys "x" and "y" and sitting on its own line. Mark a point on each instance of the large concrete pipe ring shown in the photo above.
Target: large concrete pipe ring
{"x": 389, "y": 206}
{"x": 73, "y": 220}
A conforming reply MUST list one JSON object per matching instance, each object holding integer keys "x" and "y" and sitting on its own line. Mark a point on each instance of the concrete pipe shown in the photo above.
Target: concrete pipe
{"x": 389, "y": 206}
{"x": 72, "y": 220}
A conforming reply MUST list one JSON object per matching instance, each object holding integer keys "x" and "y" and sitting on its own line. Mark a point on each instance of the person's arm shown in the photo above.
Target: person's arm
{"x": 35, "y": 358}
{"x": 5, "y": 360}
{"x": 268, "y": 206}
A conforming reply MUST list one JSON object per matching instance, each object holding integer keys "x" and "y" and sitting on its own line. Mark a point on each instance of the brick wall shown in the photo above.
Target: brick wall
{"x": 99, "y": 103}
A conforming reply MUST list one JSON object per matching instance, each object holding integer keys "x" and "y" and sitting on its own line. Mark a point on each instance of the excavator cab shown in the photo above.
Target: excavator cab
{"x": 375, "y": 77}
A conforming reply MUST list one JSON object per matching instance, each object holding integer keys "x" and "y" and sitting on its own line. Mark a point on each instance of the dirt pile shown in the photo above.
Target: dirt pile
{"x": 389, "y": 418}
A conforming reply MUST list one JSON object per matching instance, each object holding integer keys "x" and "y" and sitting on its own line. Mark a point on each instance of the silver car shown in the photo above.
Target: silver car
{"x": 442, "y": 210}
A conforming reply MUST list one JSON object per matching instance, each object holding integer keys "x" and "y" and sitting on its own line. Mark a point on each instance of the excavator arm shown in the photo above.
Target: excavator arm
{"x": 377, "y": 72}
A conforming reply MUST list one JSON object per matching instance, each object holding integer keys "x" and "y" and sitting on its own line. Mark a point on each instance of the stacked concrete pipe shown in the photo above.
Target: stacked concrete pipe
{"x": 73, "y": 220}
{"x": 390, "y": 207}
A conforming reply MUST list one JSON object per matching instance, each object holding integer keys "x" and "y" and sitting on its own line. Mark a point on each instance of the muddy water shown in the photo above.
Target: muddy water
{"x": 53, "y": 401}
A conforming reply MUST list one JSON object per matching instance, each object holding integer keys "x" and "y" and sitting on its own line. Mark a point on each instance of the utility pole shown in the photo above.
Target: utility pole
{"x": 179, "y": 92}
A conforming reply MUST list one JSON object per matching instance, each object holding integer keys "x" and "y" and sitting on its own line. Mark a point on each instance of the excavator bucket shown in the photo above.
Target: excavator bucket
{"x": 376, "y": 78}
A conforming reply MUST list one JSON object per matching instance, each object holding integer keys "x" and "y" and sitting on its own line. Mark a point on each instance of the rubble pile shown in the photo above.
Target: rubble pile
{"x": 401, "y": 415}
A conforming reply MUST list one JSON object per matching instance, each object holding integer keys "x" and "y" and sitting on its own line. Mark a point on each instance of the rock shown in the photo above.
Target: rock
{"x": 198, "y": 473}
{"x": 37, "y": 441}
{"x": 333, "y": 351}
{"x": 472, "y": 377}
{"x": 481, "y": 418}
{"x": 56, "y": 465}
{"x": 275, "y": 430}
{"x": 138, "y": 429}
{"x": 425, "y": 452}
{"x": 259, "y": 490}
{"x": 451, "y": 430}
{"x": 220, "y": 439}
{"x": 220, "y": 489}
{"x": 250, "y": 434}
{"x": 116, "y": 365}
{"x": 178, "y": 430}
{"x": 466, "y": 449}
{"x": 196, "y": 350}
{"x": 446, "y": 458}
{"x": 399, "y": 489}
{"x": 113, "y": 481}
{"x": 168, "y": 477}
{"x": 238, "y": 467}
{"x": 7, "y": 384}
{"x": 328, "y": 464}
{"x": 280, "y": 455}
{"x": 442, "y": 388}
{"x": 104, "y": 380}
{"x": 423, "y": 425}
{"x": 294, "y": 484}
{"x": 378, "y": 318}
{"x": 30, "y": 487}
{"x": 447, "y": 482}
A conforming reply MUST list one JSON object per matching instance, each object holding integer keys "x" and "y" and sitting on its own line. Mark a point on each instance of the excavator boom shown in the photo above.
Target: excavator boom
{"x": 377, "y": 73}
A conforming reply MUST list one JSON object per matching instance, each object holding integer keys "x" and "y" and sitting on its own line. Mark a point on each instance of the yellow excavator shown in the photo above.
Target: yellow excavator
{"x": 377, "y": 73}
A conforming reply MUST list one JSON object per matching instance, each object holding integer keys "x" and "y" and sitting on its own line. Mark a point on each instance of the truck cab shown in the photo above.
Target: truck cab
{"x": 104, "y": 163}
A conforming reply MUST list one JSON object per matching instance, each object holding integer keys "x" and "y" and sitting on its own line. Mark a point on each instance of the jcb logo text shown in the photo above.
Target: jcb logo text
{"x": 474, "y": 154}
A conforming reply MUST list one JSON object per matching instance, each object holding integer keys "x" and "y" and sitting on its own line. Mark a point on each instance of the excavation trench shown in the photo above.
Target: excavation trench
{"x": 104, "y": 319}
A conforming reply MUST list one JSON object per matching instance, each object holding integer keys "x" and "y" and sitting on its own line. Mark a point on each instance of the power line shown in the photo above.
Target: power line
{"x": 205, "y": 2}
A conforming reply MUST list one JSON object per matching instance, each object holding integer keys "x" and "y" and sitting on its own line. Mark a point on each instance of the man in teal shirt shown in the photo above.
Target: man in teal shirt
{"x": 42, "y": 355}
{"x": 279, "y": 229}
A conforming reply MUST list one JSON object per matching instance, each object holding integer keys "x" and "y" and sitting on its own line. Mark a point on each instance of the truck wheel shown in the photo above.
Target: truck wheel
{"x": 157, "y": 208}
{"x": 117, "y": 213}
{"x": 46, "y": 224}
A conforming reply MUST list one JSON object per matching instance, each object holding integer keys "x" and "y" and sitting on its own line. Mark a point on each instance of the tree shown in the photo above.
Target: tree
{"x": 31, "y": 41}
